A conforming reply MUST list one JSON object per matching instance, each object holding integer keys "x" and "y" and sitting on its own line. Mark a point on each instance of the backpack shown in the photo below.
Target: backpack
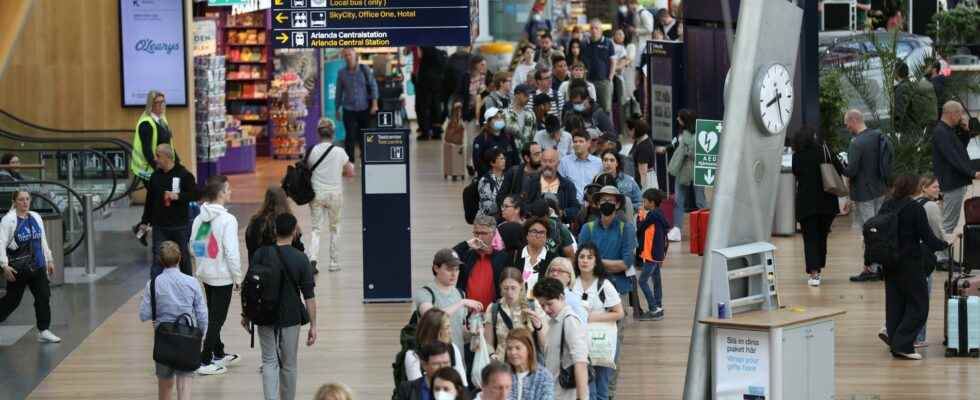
{"x": 262, "y": 290}
{"x": 471, "y": 201}
{"x": 409, "y": 342}
{"x": 298, "y": 182}
{"x": 886, "y": 157}
{"x": 881, "y": 236}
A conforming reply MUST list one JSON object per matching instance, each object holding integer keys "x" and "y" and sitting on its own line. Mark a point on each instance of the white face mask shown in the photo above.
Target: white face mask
{"x": 443, "y": 396}
{"x": 623, "y": 9}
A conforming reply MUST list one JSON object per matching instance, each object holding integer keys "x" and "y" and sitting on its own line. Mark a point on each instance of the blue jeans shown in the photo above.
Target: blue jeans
{"x": 922, "y": 332}
{"x": 680, "y": 201}
{"x": 179, "y": 234}
{"x": 651, "y": 270}
{"x": 599, "y": 388}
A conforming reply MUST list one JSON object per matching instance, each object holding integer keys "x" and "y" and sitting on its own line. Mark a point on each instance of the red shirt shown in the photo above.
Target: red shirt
{"x": 480, "y": 286}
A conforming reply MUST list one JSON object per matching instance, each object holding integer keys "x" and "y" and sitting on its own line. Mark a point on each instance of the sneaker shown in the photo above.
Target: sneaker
{"x": 910, "y": 356}
{"x": 46, "y": 336}
{"x": 865, "y": 276}
{"x": 313, "y": 264}
{"x": 333, "y": 268}
{"x": 228, "y": 359}
{"x": 653, "y": 315}
{"x": 212, "y": 369}
{"x": 814, "y": 281}
{"x": 920, "y": 345}
{"x": 883, "y": 335}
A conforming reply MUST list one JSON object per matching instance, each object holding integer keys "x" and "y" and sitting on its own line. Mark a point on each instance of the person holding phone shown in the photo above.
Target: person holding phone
{"x": 482, "y": 264}
{"x": 512, "y": 311}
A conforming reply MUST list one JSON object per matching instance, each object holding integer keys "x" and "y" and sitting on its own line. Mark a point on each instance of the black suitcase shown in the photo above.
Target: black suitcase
{"x": 970, "y": 248}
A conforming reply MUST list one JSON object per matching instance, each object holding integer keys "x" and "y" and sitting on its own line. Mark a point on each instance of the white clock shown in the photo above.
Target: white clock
{"x": 772, "y": 95}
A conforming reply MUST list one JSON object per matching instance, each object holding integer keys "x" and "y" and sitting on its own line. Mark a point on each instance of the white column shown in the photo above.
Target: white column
{"x": 484, "y": 22}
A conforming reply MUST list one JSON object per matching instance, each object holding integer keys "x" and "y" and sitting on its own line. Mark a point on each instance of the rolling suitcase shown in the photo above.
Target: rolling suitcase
{"x": 667, "y": 207}
{"x": 963, "y": 326}
{"x": 971, "y": 211}
{"x": 699, "y": 230}
{"x": 970, "y": 247}
{"x": 453, "y": 161}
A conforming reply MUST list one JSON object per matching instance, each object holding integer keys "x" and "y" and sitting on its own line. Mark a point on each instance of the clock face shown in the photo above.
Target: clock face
{"x": 773, "y": 97}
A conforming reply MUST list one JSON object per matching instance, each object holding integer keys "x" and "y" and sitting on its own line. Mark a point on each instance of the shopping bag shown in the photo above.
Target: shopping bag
{"x": 602, "y": 347}
{"x": 480, "y": 359}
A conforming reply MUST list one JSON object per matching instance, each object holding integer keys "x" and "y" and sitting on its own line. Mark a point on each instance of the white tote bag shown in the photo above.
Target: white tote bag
{"x": 602, "y": 344}
{"x": 480, "y": 359}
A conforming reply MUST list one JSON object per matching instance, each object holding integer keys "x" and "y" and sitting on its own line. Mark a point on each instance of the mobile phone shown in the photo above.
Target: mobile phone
{"x": 482, "y": 243}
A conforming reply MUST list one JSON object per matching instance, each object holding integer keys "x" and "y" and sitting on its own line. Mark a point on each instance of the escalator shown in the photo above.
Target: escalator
{"x": 59, "y": 167}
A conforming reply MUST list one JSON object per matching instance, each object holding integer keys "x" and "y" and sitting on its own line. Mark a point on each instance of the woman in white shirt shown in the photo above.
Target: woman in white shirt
{"x": 601, "y": 302}
{"x": 562, "y": 270}
{"x": 433, "y": 326}
{"x": 524, "y": 66}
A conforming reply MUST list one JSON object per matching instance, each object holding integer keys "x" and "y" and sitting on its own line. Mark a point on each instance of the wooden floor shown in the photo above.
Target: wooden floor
{"x": 358, "y": 342}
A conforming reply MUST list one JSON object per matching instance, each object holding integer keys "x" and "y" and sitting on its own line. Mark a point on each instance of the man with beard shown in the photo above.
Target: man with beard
{"x": 514, "y": 177}
{"x": 550, "y": 184}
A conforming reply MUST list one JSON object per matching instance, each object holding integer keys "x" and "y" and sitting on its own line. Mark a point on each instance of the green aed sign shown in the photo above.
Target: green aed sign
{"x": 225, "y": 2}
{"x": 707, "y": 141}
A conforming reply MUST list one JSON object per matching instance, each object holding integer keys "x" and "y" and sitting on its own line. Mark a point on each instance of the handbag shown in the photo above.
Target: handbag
{"x": 677, "y": 161}
{"x": 21, "y": 259}
{"x": 566, "y": 376}
{"x": 455, "y": 130}
{"x": 602, "y": 351}
{"x": 480, "y": 359}
{"x": 833, "y": 183}
{"x": 175, "y": 344}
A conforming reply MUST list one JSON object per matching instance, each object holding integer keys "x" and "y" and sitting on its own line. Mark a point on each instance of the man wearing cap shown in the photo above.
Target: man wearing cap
{"x": 547, "y": 93}
{"x": 581, "y": 166}
{"x": 550, "y": 183}
{"x": 445, "y": 295}
{"x": 514, "y": 177}
{"x": 493, "y": 135}
{"x": 606, "y": 142}
{"x": 541, "y": 108}
{"x": 554, "y": 137}
{"x": 481, "y": 264}
{"x": 519, "y": 119}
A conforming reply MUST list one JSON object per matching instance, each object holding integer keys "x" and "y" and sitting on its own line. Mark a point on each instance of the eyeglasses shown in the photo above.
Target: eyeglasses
{"x": 482, "y": 233}
{"x": 537, "y": 232}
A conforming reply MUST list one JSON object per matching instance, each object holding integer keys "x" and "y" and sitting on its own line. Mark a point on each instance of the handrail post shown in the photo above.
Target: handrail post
{"x": 71, "y": 183}
{"x": 89, "y": 234}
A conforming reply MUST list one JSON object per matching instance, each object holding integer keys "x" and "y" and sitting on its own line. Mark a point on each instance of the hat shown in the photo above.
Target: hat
{"x": 593, "y": 133}
{"x": 446, "y": 256}
{"x": 609, "y": 137}
{"x": 608, "y": 190}
{"x": 490, "y": 113}
{"x": 524, "y": 88}
{"x": 542, "y": 98}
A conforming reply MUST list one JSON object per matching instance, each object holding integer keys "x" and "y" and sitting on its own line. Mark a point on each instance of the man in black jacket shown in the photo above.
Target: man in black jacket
{"x": 514, "y": 177}
{"x": 950, "y": 162}
{"x": 434, "y": 356}
{"x": 168, "y": 193}
{"x": 482, "y": 265}
{"x": 867, "y": 185}
{"x": 550, "y": 183}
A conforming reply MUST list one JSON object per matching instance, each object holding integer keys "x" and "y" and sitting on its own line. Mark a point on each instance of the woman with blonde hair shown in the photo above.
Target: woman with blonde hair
{"x": 433, "y": 325}
{"x": 152, "y": 129}
{"x": 261, "y": 230}
{"x": 334, "y": 391}
{"x": 562, "y": 270}
{"x": 512, "y": 311}
{"x": 531, "y": 380}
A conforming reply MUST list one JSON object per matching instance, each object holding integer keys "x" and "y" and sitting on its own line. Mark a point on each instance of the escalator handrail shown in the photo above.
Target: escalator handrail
{"x": 44, "y": 128}
{"x": 105, "y": 161}
{"x": 26, "y": 184}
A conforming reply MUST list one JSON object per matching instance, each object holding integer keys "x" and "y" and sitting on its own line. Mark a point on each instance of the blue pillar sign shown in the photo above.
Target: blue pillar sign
{"x": 311, "y": 24}
{"x": 386, "y": 220}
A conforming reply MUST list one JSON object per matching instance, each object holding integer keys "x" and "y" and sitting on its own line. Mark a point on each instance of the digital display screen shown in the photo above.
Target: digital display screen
{"x": 153, "y": 51}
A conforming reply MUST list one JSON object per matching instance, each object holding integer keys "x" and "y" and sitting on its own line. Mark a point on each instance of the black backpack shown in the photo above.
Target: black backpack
{"x": 410, "y": 342}
{"x": 262, "y": 290}
{"x": 886, "y": 157}
{"x": 298, "y": 183}
{"x": 471, "y": 201}
{"x": 881, "y": 235}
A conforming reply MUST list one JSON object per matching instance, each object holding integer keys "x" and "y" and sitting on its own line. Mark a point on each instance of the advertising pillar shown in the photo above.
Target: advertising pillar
{"x": 386, "y": 206}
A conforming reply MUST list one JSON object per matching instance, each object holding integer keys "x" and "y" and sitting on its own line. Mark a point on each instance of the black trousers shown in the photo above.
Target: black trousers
{"x": 428, "y": 107}
{"x": 354, "y": 121}
{"x": 37, "y": 281}
{"x": 178, "y": 234}
{"x": 816, "y": 228}
{"x": 906, "y": 304}
{"x": 218, "y": 298}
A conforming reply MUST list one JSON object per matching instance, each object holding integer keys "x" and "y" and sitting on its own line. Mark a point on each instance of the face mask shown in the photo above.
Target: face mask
{"x": 607, "y": 209}
{"x": 537, "y": 17}
{"x": 623, "y": 9}
{"x": 443, "y": 396}
{"x": 498, "y": 125}
{"x": 578, "y": 107}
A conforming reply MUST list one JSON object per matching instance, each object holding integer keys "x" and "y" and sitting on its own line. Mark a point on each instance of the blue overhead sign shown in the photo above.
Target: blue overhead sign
{"x": 310, "y": 24}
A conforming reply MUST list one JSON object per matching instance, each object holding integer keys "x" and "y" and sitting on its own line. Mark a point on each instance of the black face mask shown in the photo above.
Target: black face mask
{"x": 607, "y": 209}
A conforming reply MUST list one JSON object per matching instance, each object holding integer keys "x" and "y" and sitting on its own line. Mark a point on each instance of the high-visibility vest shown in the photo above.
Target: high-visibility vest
{"x": 138, "y": 164}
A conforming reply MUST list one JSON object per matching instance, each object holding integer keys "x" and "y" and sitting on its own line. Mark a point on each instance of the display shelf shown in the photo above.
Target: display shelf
{"x": 247, "y": 62}
{"x": 288, "y": 127}
{"x": 263, "y": 98}
{"x": 246, "y": 44}
{"x": 210, "y": 116}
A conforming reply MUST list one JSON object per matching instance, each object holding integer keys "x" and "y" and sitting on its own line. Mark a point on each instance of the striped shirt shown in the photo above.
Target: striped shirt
{"x": 557, "y": 102}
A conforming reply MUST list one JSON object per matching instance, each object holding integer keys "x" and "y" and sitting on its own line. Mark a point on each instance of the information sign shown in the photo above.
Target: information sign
{"x": 741, "y": 364}
{"x": 307, "y": 24}
{"x": 706, "y": 144}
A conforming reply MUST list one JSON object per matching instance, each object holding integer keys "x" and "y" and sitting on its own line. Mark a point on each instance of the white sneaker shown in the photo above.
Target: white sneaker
{"x": 212, "y": 369}
{"x": 46, "y": 336}
{"x": 333, "y": 268}
{"x": 228, "y": 359}
{"x": 815, "y": 282}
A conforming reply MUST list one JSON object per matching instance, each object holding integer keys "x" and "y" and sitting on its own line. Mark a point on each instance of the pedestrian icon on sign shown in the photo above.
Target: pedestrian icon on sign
{"x": 397, "y": 153}
{"x": 299, "y": 38}
{"x": 299, "y": 20}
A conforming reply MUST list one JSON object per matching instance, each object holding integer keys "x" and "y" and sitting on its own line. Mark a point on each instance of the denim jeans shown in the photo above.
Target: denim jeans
{"x": 680, "y": 202}
{"x": 651, "y": 270}
{"x": 599, "y": 388}
{"x": 921, "y": 337}
{"x": 179, "y": 234}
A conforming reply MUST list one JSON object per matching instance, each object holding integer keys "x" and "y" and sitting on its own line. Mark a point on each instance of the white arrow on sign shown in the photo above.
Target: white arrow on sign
{"x": 709, "y": 177}
{"x": 708, "y": 140}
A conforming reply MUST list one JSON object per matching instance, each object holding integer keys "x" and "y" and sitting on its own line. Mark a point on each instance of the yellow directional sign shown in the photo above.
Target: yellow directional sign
{"x": 281, "y": 17}
{"x": 283, "y": 37}
{"x": 278, "y": 2}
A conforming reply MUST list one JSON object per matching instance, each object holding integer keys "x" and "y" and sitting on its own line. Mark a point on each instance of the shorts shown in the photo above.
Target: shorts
{"x": 165, "y": 372}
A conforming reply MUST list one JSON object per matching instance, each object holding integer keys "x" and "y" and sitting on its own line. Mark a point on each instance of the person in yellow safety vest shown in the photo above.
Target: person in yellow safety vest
{"x": 152, "y": 129}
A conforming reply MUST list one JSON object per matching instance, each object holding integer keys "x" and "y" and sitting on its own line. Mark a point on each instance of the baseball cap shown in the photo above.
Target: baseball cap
{"x": 490, "y": 113}
{"x": 542, "y": 98}
{"x": 446, "y": 256}
{"x": 609, "y": 137}
{"x": 524, "y": 88}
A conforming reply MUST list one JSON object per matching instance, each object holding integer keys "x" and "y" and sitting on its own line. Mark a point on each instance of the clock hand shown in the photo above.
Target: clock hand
{"x": 778, "y": 108}
{"x": 774, "y": 99}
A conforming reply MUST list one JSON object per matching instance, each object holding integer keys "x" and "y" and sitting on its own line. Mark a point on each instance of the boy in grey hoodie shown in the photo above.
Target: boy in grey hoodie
{"x": 214, "y": 246}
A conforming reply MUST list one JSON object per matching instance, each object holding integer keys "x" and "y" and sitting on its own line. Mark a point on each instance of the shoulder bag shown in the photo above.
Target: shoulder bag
{"x": 176, "y": 344}
{"x": 833, "y": 183}
{"x": 566, "y": 376}
{"x": 21, "y": 259}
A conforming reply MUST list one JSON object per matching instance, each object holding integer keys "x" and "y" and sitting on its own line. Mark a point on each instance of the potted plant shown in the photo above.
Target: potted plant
{"x": 956, "y": 29}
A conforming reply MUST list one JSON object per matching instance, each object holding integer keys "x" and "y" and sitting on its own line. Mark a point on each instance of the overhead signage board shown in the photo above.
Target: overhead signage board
{"x": 153, "y": 51}
{"x": 707, "y": 142}
{"x": 314, "y": 24}
{"x": 221, "y": 3}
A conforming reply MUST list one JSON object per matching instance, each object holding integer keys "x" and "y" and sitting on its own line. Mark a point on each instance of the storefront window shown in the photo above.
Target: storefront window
{"x": 507, "y": 18}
